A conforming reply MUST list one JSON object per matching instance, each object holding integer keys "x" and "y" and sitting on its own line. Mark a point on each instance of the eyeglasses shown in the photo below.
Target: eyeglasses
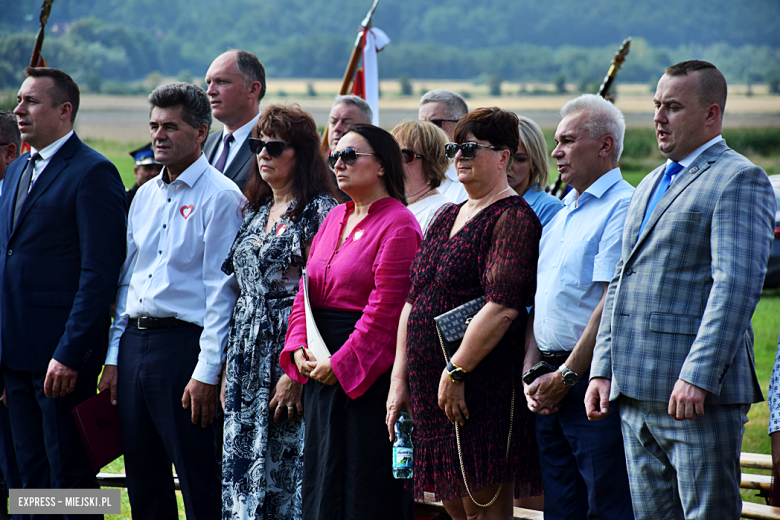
{"x": 274, "y": 148}
{"x": 467, "y": 150}
{"x": 348, "y": 156}
{"x": 439, "y": 122}
{"x": 410, "y": 155}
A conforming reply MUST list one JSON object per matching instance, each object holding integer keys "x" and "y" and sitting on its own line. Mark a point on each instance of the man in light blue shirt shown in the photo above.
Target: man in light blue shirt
{"x": 583, "y": 466}
{"x": 167, "y": 343}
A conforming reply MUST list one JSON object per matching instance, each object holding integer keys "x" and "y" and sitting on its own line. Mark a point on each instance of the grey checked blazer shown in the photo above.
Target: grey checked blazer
{"x": 683, "y": 294}
{"x": 240, "y": 168}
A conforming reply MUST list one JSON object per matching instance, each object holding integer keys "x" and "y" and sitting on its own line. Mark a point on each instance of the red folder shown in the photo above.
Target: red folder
{"x": 98, "y": 423}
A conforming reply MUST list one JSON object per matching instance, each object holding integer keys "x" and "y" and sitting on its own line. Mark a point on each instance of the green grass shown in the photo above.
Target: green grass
{"x": 765, "y": 327}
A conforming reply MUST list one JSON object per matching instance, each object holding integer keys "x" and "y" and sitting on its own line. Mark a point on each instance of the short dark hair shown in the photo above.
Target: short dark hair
{"x": 251, "y": 69}
{"x": 388, "y": 153}
{"x": 712, "y": 84}
{"x": 491, "y": 124}
{"x": 192, "y": 98}
{"x": 311, "y": 175}
{"x": 65, "y": 90}
{"x": 9, "y": 130}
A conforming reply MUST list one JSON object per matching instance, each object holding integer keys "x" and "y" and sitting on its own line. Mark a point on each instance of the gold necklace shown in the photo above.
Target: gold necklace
{"x": 421, "y": 197}
{"x": 468, "y": 217}
{"x": 271, "y": 215}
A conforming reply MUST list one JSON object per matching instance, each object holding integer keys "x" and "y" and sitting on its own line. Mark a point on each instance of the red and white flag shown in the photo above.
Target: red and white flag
{"x": 367, "y": 77}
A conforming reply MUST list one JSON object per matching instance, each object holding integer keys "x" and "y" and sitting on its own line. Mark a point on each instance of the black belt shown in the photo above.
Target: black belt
{"x": 147, "y": 322}
{"x": 555, "y": 358}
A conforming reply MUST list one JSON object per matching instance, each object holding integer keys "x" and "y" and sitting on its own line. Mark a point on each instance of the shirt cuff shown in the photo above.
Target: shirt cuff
{"x": 112, "y": 356}
{"x": 207, "y": 373}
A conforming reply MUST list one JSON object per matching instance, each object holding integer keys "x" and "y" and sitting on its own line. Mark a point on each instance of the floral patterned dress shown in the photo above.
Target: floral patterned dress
{"x": 262, "y": 462}
{"x": 494, "y": 254}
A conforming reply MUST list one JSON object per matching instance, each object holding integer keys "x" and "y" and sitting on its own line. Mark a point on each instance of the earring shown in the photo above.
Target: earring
{"x": 428, "y": 182}
{"x": 381, "y": 173}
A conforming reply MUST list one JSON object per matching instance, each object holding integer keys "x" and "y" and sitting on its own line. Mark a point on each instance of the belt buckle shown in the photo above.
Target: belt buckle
{"x": 141, "y": 320}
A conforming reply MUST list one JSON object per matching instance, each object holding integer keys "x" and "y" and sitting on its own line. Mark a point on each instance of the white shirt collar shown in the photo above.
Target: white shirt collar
{"x": 240, "y": 135}
{"x": 188, "y": 176}
{"x": 688, "y": 160}
{"x": 48, "y": 152}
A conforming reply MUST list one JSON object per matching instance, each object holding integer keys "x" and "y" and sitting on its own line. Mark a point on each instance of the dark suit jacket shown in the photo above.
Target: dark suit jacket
{"x": 240, "y": 168}
{"x": 59, "y": 267}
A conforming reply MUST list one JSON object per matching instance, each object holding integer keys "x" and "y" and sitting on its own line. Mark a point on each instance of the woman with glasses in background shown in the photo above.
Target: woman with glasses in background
{"x": 422, "y": 147}
{"x": 358, "y": 278}
{"x": 530, "y": 171}
{"x": 288, "y": 197}
{"x": 487, "y": 246}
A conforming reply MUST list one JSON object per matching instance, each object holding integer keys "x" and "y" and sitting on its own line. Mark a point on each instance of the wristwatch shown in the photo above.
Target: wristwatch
{"x": 570, "y": 377}
{"x": 456, "y": 373}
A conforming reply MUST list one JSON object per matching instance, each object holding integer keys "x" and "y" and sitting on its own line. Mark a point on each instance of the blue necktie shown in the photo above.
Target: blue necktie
{"x": 671, "y": 169}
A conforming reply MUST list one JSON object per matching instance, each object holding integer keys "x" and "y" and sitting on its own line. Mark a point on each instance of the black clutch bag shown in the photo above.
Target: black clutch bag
{"x": 451, "y": 326}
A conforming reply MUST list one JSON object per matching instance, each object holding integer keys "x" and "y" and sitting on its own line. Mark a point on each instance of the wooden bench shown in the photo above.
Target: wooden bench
{"x": 759, "y": 482}
{"x": 431, "y": 507}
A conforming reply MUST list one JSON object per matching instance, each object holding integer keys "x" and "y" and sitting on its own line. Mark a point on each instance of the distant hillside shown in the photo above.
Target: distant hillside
{"x": 515, "y": 39}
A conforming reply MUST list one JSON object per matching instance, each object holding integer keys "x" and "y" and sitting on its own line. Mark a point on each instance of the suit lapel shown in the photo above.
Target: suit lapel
{"x": 701, "y": 164}
{"x": 13, "y": 176}
{"x": 238, "y": 163}
{"x": 56, "y": 164}
{"x": 211, "y": 145}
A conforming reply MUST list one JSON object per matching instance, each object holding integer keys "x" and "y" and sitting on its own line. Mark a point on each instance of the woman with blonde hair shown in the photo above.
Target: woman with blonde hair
{"x": 422, "y": 146}
{"x": 530, "y": 171}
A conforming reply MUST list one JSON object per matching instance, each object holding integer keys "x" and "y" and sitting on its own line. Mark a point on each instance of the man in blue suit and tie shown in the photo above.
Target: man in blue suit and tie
{"x": 62, "y": 226}
{"x": 675, "y": 344}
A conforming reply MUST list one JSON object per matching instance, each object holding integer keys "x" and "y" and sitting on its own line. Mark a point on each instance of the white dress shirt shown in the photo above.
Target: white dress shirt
{"x": 239, "y": 136}
{"x": 46, "y": 155}
{"x": 178, "y": 236}
{"x": 579, "y": 250}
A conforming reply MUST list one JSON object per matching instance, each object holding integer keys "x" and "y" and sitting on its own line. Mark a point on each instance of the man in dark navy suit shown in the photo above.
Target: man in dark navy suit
{"x": 62, "y": 242}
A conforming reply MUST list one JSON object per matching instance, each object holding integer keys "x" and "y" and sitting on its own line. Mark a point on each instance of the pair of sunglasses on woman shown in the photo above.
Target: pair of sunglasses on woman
{"x": 467, "y": 150}
{"x": 274, "y": 148}
{"x": 349, "y": 155}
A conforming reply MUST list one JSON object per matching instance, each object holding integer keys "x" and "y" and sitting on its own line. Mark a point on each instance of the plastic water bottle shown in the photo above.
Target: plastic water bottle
{"x": 402, "y": 447}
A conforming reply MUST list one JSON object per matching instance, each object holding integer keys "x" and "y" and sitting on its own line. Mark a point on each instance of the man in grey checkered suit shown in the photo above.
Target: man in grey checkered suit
{"x": 675, "y": 344}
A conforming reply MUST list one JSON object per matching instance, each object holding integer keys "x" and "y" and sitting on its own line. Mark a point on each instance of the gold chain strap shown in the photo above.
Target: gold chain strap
{"x": 457, "y": 436}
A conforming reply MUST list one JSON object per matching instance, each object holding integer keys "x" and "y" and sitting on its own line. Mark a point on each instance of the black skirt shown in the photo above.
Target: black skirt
{"x": 347, "y": 467}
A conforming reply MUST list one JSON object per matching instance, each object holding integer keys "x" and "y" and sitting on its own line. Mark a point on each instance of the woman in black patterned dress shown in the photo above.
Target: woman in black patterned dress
{"x": 289, "y": 196}
{"x": 488, "y": 246}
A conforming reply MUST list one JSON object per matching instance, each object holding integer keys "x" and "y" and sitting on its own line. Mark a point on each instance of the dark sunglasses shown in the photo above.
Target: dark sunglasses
{"x": 274, "y": 148}
{"x": 467, "y": 150}
{"x": 439, "y": 122}
{"x": 410, "y": 155}
{"x": 348, "y": 156}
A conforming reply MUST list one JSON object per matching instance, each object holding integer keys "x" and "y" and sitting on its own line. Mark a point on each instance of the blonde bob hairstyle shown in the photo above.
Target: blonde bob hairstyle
{"x": 427, "y": 140}
{"x": 532, "y": 138}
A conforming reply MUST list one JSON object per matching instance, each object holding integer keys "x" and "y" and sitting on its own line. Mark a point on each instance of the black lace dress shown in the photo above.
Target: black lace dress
{"x": 494, "y": 254}
{"x": 262, "y": 462}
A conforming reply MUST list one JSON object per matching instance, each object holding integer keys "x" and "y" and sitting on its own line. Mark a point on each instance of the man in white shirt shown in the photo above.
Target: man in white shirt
{"x": 236, "y": 84}
{"x": 444, "y": 108}
{"x": 166, "y": 346}
{"x": 582, "y": 463}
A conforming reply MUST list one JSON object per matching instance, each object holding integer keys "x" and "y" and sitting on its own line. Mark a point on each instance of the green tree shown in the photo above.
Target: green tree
{"x": 406, "y": 85}
{"x": 494, "y": 85}
{"x": 560, "y": 83}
